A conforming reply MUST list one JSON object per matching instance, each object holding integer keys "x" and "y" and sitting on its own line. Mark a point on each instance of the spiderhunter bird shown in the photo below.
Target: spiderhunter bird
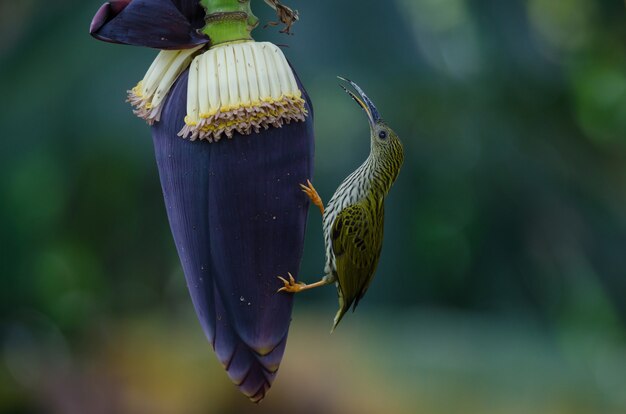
{"x": 354, "y": 218}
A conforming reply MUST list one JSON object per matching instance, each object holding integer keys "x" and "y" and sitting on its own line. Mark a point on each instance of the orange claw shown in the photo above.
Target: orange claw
{"x": 310, "y": 191}
{"x": 290, "y": 285}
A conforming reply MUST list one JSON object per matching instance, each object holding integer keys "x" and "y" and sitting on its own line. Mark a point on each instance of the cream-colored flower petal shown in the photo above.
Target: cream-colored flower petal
{"x": 261, "y": 70}
{"x": 176, "y": 68}
{"x": 192, "y": 93}
{"x": 251, "y": 73}
{"x": 222, "y": 73}
{"x": 213, "y": 82}
{"x": 275, "y": 90}
{"x": 291, "y": 78}
{"x": 203, "y": 88}
{"x": 160, "y": 66}
{"x": 242, "y": 78}
{"x": 240, "y": 88}
{"x": 233, "y": 83}
{"x": 148, "y": 96}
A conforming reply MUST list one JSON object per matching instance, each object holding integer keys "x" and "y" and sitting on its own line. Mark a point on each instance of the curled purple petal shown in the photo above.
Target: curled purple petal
{"x": 152, "y": 23}
{"x": 238, "y": 219}
{"x": 106, "y": 12}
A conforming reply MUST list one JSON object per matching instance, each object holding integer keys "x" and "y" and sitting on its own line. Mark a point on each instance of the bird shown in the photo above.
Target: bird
{"x": 353, "y": 220}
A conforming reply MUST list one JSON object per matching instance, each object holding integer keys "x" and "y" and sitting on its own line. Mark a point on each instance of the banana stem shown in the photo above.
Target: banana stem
{"x": 228, "y": 20}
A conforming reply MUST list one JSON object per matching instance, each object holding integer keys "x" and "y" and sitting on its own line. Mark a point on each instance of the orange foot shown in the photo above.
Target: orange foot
{"x": 312, "y": 193}
{"x": 290, "y": 285}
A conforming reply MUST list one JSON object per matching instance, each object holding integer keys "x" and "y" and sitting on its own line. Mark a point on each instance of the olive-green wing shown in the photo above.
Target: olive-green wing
{"x": 357, "y": 237}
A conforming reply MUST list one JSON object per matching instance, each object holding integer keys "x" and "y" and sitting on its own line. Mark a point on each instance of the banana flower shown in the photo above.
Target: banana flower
{"x": 232, "y": 128}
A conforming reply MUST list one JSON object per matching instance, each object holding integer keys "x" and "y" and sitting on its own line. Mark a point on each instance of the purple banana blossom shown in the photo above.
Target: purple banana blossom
{"x": 235, "y": 209}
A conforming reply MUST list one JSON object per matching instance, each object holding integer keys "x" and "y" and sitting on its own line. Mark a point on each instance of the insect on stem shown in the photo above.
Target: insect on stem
{"x": 286, "y": 15}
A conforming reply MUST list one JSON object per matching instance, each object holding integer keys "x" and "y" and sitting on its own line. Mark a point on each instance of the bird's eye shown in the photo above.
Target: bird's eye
{"x": 382, "y": 135}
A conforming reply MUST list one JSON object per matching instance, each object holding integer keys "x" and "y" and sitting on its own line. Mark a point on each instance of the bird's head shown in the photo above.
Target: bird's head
{"x": 386, "y": 145}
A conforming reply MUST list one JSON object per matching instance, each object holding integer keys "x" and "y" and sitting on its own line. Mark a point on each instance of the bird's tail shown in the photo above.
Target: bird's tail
{"x": 343, "y": 308}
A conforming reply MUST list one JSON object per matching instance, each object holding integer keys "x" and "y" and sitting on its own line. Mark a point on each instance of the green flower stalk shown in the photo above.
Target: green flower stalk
{"x": 228, "y": 21}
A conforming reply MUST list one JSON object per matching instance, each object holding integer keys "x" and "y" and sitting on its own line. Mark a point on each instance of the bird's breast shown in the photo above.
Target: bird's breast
{"x": 351, "y": 191}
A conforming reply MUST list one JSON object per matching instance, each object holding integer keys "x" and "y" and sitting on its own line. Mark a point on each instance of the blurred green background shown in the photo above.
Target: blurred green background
{"x": 502, "y": 285}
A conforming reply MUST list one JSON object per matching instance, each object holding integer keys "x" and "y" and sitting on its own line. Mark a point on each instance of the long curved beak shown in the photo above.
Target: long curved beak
{"x": 364, "y": 102}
